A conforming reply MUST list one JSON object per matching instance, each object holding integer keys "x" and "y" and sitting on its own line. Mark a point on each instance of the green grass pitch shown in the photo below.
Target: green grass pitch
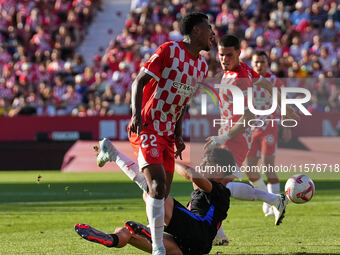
{"x": 37, "y": 217}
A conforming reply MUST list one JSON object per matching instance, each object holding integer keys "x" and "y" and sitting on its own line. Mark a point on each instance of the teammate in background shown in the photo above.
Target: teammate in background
{"x": 237, "y": 137}
{"x": 265, "y": 138}
{"x": 206, "y": 210}
{"x": 160, "y": 94}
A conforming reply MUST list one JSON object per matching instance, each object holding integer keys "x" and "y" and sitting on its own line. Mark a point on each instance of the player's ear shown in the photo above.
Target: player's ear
{"x": 196, "y": 30}
{"x": 238, "y": 52}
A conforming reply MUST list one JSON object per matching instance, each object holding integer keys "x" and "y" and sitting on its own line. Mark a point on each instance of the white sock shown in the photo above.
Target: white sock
{"x": 259, "y": 184}
{"x": 241, "y": 191}
{"x": 273, "y": 188}
{"x": 220, "y": 233}
{"x": 131, "y": 169}
{"x": 266, "y": 197}
{"x": 155, "y": 212}
{"x": 244, "y": 191}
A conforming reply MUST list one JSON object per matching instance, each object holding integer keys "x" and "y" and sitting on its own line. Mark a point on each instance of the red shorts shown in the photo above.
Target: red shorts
{"x": 238, "y": 147}
{"x": 151, "y": 148}
{"x": 264, "y": 142}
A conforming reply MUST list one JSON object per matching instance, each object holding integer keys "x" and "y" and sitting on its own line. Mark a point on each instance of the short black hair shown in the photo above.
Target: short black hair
{"x": 219, "y": 156}
{"x": 189, "y": 21}
{"x": 260, "y": 53}
{"x": 229, "y": 41}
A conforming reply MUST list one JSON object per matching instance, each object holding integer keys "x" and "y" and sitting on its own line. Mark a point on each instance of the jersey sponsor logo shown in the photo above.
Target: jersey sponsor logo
{"x": 183, "y": 89}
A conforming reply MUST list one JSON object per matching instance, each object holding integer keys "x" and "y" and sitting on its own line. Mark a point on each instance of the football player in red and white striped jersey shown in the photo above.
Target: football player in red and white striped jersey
{"x": 237, "y": 138}
{"x": 265, "y": 138}
{"x": 160, "y": 94}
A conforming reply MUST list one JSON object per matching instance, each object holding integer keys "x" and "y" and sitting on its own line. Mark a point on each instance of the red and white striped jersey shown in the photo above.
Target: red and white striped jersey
{"x": 243, "y": 77}
{"x": 175, "y": 72}
{"x": 263, "y": 101}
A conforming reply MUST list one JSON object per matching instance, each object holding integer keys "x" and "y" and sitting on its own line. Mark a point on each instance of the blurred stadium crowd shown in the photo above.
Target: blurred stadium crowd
{"x": 41, "y": 73}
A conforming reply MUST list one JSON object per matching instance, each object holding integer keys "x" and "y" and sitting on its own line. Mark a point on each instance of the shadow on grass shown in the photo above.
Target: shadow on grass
{"x": 101, "y": 190}
{"x": 78, "y": 191}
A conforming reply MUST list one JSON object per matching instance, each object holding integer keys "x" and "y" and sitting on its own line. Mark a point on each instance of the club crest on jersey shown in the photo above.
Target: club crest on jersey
{"x": 154, "y": 153}
{"x": 270, "y": 139}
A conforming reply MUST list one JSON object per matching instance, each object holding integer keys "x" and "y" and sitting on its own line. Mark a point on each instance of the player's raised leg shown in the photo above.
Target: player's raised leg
{"x": 109, "y": 153}
{"x": 244, "y": 191}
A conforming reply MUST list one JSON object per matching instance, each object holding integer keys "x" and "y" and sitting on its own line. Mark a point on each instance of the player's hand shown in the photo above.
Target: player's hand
{"x": 214, "y": 141}
{"x": 136, "y": 125}
{"x": 180, "y": 146}
{"x": 210, "y": 142}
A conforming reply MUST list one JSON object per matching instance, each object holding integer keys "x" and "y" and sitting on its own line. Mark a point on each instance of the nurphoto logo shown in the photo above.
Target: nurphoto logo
{"x": 238, "y": 99}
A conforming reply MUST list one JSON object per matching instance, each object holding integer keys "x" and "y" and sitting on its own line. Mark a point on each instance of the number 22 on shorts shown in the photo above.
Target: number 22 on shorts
{"x": 146, "y": 141}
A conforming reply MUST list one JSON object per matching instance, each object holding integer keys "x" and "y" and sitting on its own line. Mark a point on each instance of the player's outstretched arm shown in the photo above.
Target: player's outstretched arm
{"x": 190, "y": 174}
{"x": 234, "y": 131}
{"x": 138, "y": 84}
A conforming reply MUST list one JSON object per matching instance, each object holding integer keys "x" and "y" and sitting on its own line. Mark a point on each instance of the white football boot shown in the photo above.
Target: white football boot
{"x": 221, "y": 238}
{"x": 279, "y": 208}
{"x": 108, "y": 152}
{"x": 267, "y": 210}
{"x": 221, "y": 241}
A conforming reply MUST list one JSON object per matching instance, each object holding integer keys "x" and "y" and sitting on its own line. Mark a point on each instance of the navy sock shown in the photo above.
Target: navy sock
{"x": 115, "y": 240}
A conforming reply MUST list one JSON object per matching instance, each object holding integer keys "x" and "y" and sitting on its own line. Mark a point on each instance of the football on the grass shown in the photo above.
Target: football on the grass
{"x": 299, "y": 188}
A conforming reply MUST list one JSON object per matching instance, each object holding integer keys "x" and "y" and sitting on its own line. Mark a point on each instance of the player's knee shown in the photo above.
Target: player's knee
{"x": 273, "y": 180}
{"x": 272, "y": 177}
{"x": 254, "y": 179}
{"x": 253, "y": 176}
{"x": 145, "y": 196}
{"x": 157, "y": 189}
{"x": 123, "y": 235}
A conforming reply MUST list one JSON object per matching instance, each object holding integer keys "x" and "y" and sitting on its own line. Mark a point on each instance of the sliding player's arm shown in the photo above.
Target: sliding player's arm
{"x": 190, "y": 174}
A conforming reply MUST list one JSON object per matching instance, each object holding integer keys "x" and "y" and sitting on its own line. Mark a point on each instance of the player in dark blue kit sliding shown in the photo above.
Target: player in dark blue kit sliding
{"x": 191, "y": 229}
